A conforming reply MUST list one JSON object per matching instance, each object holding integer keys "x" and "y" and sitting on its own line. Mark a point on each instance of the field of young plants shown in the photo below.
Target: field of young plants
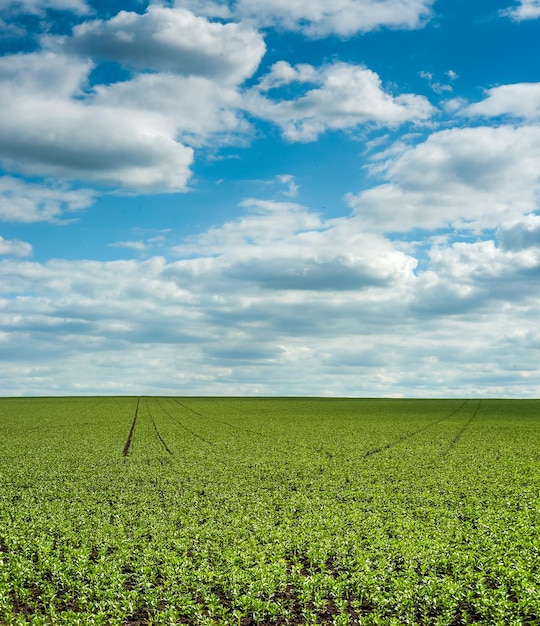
{"x": 240, "y": 512}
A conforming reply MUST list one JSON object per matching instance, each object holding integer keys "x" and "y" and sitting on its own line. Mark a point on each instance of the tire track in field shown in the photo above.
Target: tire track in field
{"x": 407, "y": 436}
{"x": 90, "y": 408}
{"x": 161, "y": 440}
{"x": 217, "y": 451}
{"x": 222, "y": 421}
{"x": 175, "y": 419}
{"x": 460, "y": 432}
{"x": 235, "y": 427}
{"x": 130, "y": 435}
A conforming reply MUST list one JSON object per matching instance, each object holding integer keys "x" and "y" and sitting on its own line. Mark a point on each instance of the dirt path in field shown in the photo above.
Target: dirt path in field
{"x": 128, "y": 440}
{"x": 460, "y": 432}
{"x": 403, "y": 438}
{"x": 186, "y": 428}
{"x": 235, "y": 427}
{"x": 222, "y": 421}
{"x": 160, "y": 438}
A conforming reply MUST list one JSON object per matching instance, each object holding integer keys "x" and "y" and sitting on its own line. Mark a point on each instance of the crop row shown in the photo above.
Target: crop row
{"x": 269, "y": 511}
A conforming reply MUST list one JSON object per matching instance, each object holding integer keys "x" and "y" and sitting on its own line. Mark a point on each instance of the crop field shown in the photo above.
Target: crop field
{"x": 244, "y": 512}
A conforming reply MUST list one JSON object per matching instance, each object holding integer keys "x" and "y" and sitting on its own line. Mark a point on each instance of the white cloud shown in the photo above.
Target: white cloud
{"x": 454, "y": 105}
{"x": 291, "y": 248}
{"x": 518, "y": 100}
{"x": 319, "y": 18}
{"x": 204, "y": 322}
{"x": 343, "y": 97}
{"x": 14, "y": 247}
{"x": 525, "y": 10}
{"x": 324, "y": 306}
{"x": 436, "y": 86}
{"x": 132, "y": 134}
{"x": 25, "y": 202}
{"x": 520, "y": 234}
{"x": 283, "y": 73}
{"x": 477, "y": 277}
{"x": 45, "y": 130}
{"x": 40, "y": 6}
{"x": 266, "y": 223}
{"x": 280, "y": 300}
{"x": 139, "y": 246}
{"x": 42, "y": 74}
{"x": 139, "y": 134}
{"x": 172, "y": 40}
{"x": 474, "y": 264}
{"x": 290, "y": 184}
{"x": 209, "y": 8}
{"x": 468, "y": 178}
{"x": 70, "y": 141}
{"x": 200, "y": 109}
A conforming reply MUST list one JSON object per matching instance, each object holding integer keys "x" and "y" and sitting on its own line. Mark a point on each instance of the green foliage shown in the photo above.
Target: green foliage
{"x": 269, "y": 511}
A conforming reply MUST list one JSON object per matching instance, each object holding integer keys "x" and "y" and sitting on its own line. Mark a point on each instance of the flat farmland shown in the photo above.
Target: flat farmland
{"x": 245, "y": 512}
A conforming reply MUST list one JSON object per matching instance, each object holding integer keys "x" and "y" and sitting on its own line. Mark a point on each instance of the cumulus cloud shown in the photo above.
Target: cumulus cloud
{"x": 200, "y": 109}
{"x": 305, "y": 252}
{"x": 519, "y": 100}
{"x": 266, "y": 223}
{"x": 520, "y": 234}
{"x": 525, "y": 10}
{"x": 200, "y": 324}
{"x": 468, "y": 178}
{"x": 172, "y": 40}
{"x": 282, "y": 299}
{"x": 204, "y": 308}
{"x": 47, "y": 129}
{"x": 339, "y": 96}
{"x": 26, "y": 202}
{"x": 14, "y": 247}
{"x": 137, "y": 134}
{"x": 209, "y": 8}
{"x": 319, "y": 18}
{"x": 480, "y": 262}
{"x": 42, "y": 74}
{"x": 476, "y": 277}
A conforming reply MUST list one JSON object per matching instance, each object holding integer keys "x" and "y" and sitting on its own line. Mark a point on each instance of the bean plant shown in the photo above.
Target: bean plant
{"x": 269, "y": 511}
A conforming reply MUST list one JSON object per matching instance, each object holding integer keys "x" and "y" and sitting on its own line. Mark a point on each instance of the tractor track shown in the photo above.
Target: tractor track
{"x": 160, "y": 438}
{"x": 403, "y": 438}
{"x": 320, "y": 450}
{"x": 222, "y": 421}
{"x": 182, "y": 425}
{"x": 254, "y": 432}
{"x": 91, "y": 407}
{"x": 460, "y": 432}
{"x": 130, "y": 435}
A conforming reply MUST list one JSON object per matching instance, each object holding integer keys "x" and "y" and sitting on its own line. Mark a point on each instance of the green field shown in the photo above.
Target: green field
{"x": 269, "y": 511}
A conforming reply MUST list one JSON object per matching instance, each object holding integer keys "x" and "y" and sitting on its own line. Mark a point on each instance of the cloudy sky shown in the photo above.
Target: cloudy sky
{"x": 278, "y": 197}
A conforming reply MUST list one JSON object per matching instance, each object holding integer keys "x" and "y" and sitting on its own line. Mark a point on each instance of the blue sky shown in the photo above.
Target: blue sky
{"x": 276, "y": 198}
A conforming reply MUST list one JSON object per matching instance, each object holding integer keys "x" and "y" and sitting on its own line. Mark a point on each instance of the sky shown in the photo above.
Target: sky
{"x": 270, "y": 197}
